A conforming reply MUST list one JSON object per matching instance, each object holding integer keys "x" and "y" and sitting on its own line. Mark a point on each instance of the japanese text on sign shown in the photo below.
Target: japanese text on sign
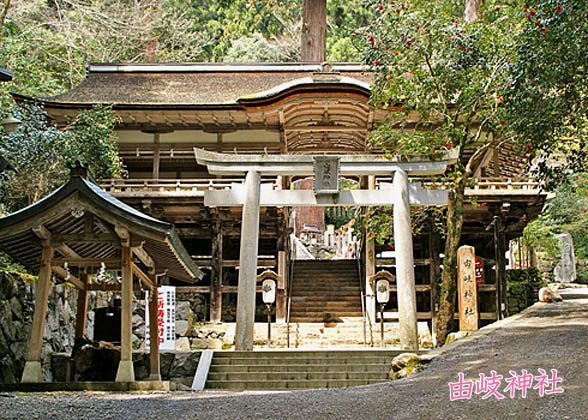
{"x": 166, "y": 318}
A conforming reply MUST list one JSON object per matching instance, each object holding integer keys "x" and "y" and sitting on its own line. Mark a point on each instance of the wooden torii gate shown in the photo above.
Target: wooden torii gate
{"x": 326, "y": 170}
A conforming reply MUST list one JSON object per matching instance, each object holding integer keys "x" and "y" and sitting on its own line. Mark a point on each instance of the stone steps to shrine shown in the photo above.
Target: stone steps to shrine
{"x": 325, "y": 291}
{"x": 298, "y": 369}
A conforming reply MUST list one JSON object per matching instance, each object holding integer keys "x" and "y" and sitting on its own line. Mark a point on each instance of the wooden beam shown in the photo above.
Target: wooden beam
{"x": 123, "y": 234}
{"x": 88, "y": 223}
{"x": 142, "y": 276}
{"x": 60, "y": 271}
{"x": 67, "y": 251}
{"x": 193, "y": 289}
{"x": 42, "y": 232}
{"x": 110, "y": 287}
{"x": 78, "y": 237}
{"x": 144, "y": 257}
{"x": 85, "y": 262}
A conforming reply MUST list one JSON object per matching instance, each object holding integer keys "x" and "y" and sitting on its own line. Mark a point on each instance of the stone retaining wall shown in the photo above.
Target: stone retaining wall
{"x": 522, "y": 288}
{"x": 17, "y": 298}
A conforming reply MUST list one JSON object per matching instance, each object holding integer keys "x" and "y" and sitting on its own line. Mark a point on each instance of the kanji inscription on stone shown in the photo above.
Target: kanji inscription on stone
{"x": 468, "y": 302}
{"x": 326, "y": 175}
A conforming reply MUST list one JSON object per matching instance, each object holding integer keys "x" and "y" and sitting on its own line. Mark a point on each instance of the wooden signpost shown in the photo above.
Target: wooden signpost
{"x": 468, "y": 301}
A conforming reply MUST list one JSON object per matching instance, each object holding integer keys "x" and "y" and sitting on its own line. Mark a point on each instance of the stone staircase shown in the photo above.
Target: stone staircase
{"x": 296, "y": 369}
{"x": 325, "y": 290}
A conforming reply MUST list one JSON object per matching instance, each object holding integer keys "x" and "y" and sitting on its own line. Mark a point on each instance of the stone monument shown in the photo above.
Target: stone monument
{"x": 565, "y": 270}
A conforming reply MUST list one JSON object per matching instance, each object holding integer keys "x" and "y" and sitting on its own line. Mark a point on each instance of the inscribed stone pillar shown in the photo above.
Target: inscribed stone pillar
{"x": 248, "y": 263}
{"x": 32, "y": 370}
{"x": 565, "y": 270}
{"x": 406, "y": 291}
{"x": 466, "y": 280}
{"x": 126, "y": 372}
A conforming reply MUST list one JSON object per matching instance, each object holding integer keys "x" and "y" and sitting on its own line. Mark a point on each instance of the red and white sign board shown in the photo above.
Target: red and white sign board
{"x": 479, "y": 270}
{"x": 166, "y": 318}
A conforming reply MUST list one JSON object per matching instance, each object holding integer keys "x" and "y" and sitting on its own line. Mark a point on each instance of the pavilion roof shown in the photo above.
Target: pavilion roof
{"x": 200, "y": 84}
{"x": 84, "y": 222}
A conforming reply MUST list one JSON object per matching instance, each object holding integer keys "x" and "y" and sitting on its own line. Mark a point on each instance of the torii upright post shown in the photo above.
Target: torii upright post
{"x": 244, "y": 329}
{"x": 406, "y": 290}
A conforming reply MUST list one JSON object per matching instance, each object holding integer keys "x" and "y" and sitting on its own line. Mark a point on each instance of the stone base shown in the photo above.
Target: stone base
{"x": 87, "y": 386}
{"x": 154, "y": 377}
{"x": 126, "y": 371}
{"x": 32, "y": 372}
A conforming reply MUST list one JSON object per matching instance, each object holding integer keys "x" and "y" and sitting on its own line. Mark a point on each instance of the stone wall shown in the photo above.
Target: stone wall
{"x": 99, "y": 363}
{"x": 17, "y": 298}
{"x": 522, "y": 288}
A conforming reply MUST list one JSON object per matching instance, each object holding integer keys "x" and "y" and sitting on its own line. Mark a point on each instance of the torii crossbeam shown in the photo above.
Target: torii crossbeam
{"x": 400, "y": 194}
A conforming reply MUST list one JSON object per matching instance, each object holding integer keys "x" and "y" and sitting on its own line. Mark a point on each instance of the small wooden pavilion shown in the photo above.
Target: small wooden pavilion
{"x": 78, "y": 230}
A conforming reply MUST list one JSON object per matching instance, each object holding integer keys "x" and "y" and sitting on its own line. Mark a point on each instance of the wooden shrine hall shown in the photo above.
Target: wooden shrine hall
{"x": 165, "y": 111}
{"x": 78, "y": 230}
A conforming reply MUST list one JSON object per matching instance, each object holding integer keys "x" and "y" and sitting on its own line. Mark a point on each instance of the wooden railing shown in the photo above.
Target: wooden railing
{"x": 177, "y": 187}
{"x": 482, "y": 184}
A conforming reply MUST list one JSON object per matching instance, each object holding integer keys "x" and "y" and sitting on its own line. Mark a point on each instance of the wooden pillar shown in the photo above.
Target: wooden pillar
{"x": 281, "y": 287}
{"x": 82, "y": 307}
{"x": 32, "y": 370}
{"x": 502, "y": 262}
{"x": 126, "y": 372}
{"x": 248, "y": 263}
{"x": 154, "y": 366}
{"x": 434, "y": 273}
{"x": 216, "y": 296}
{"x": 406, "y": 290}
{"x": 156, "y": 156}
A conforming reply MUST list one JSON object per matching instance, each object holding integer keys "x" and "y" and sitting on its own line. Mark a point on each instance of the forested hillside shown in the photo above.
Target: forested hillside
{"x": 46, "y": 43}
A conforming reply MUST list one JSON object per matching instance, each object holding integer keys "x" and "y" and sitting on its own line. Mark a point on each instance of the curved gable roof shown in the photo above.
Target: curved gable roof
{"x": 194, "y": 85}
{"x": 160, "y": 238}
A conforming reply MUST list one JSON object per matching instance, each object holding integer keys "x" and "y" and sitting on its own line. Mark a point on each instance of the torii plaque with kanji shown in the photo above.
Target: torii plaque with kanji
{"x": 326, "y": 174}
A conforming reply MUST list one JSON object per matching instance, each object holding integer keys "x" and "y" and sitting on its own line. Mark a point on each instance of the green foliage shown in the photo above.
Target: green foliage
{"x": 379, "y": 222}
{"x": 8, "y": 264}
{"x": 567, "y": 212}
{"x": 431, "y": 66}
{"x": 253, "y": 48}
{"x": 549, "y": 95}
{"x": 41, "y": 152}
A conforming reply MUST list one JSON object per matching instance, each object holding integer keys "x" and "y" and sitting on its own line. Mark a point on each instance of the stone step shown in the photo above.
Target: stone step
{"x": 297, "y": 376}
{"x": 285, "y": 360}
{"x": 316, "y": 313}
{"x": 332, "y": 368}
{"x": 282, "y": 384}
{"x": 330, "y": 354}
{"x": 315, "y": 298}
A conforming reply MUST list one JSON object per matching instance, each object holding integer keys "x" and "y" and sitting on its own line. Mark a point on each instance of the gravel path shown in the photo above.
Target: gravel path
{"x": 554, "y": 336}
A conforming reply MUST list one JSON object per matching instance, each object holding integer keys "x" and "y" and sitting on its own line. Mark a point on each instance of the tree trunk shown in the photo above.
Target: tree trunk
{"x": 6, "y": 6}
{"x": 314, "y": 24}
{"x": 472, "y": 10}
{"x": 449, "y": 275}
